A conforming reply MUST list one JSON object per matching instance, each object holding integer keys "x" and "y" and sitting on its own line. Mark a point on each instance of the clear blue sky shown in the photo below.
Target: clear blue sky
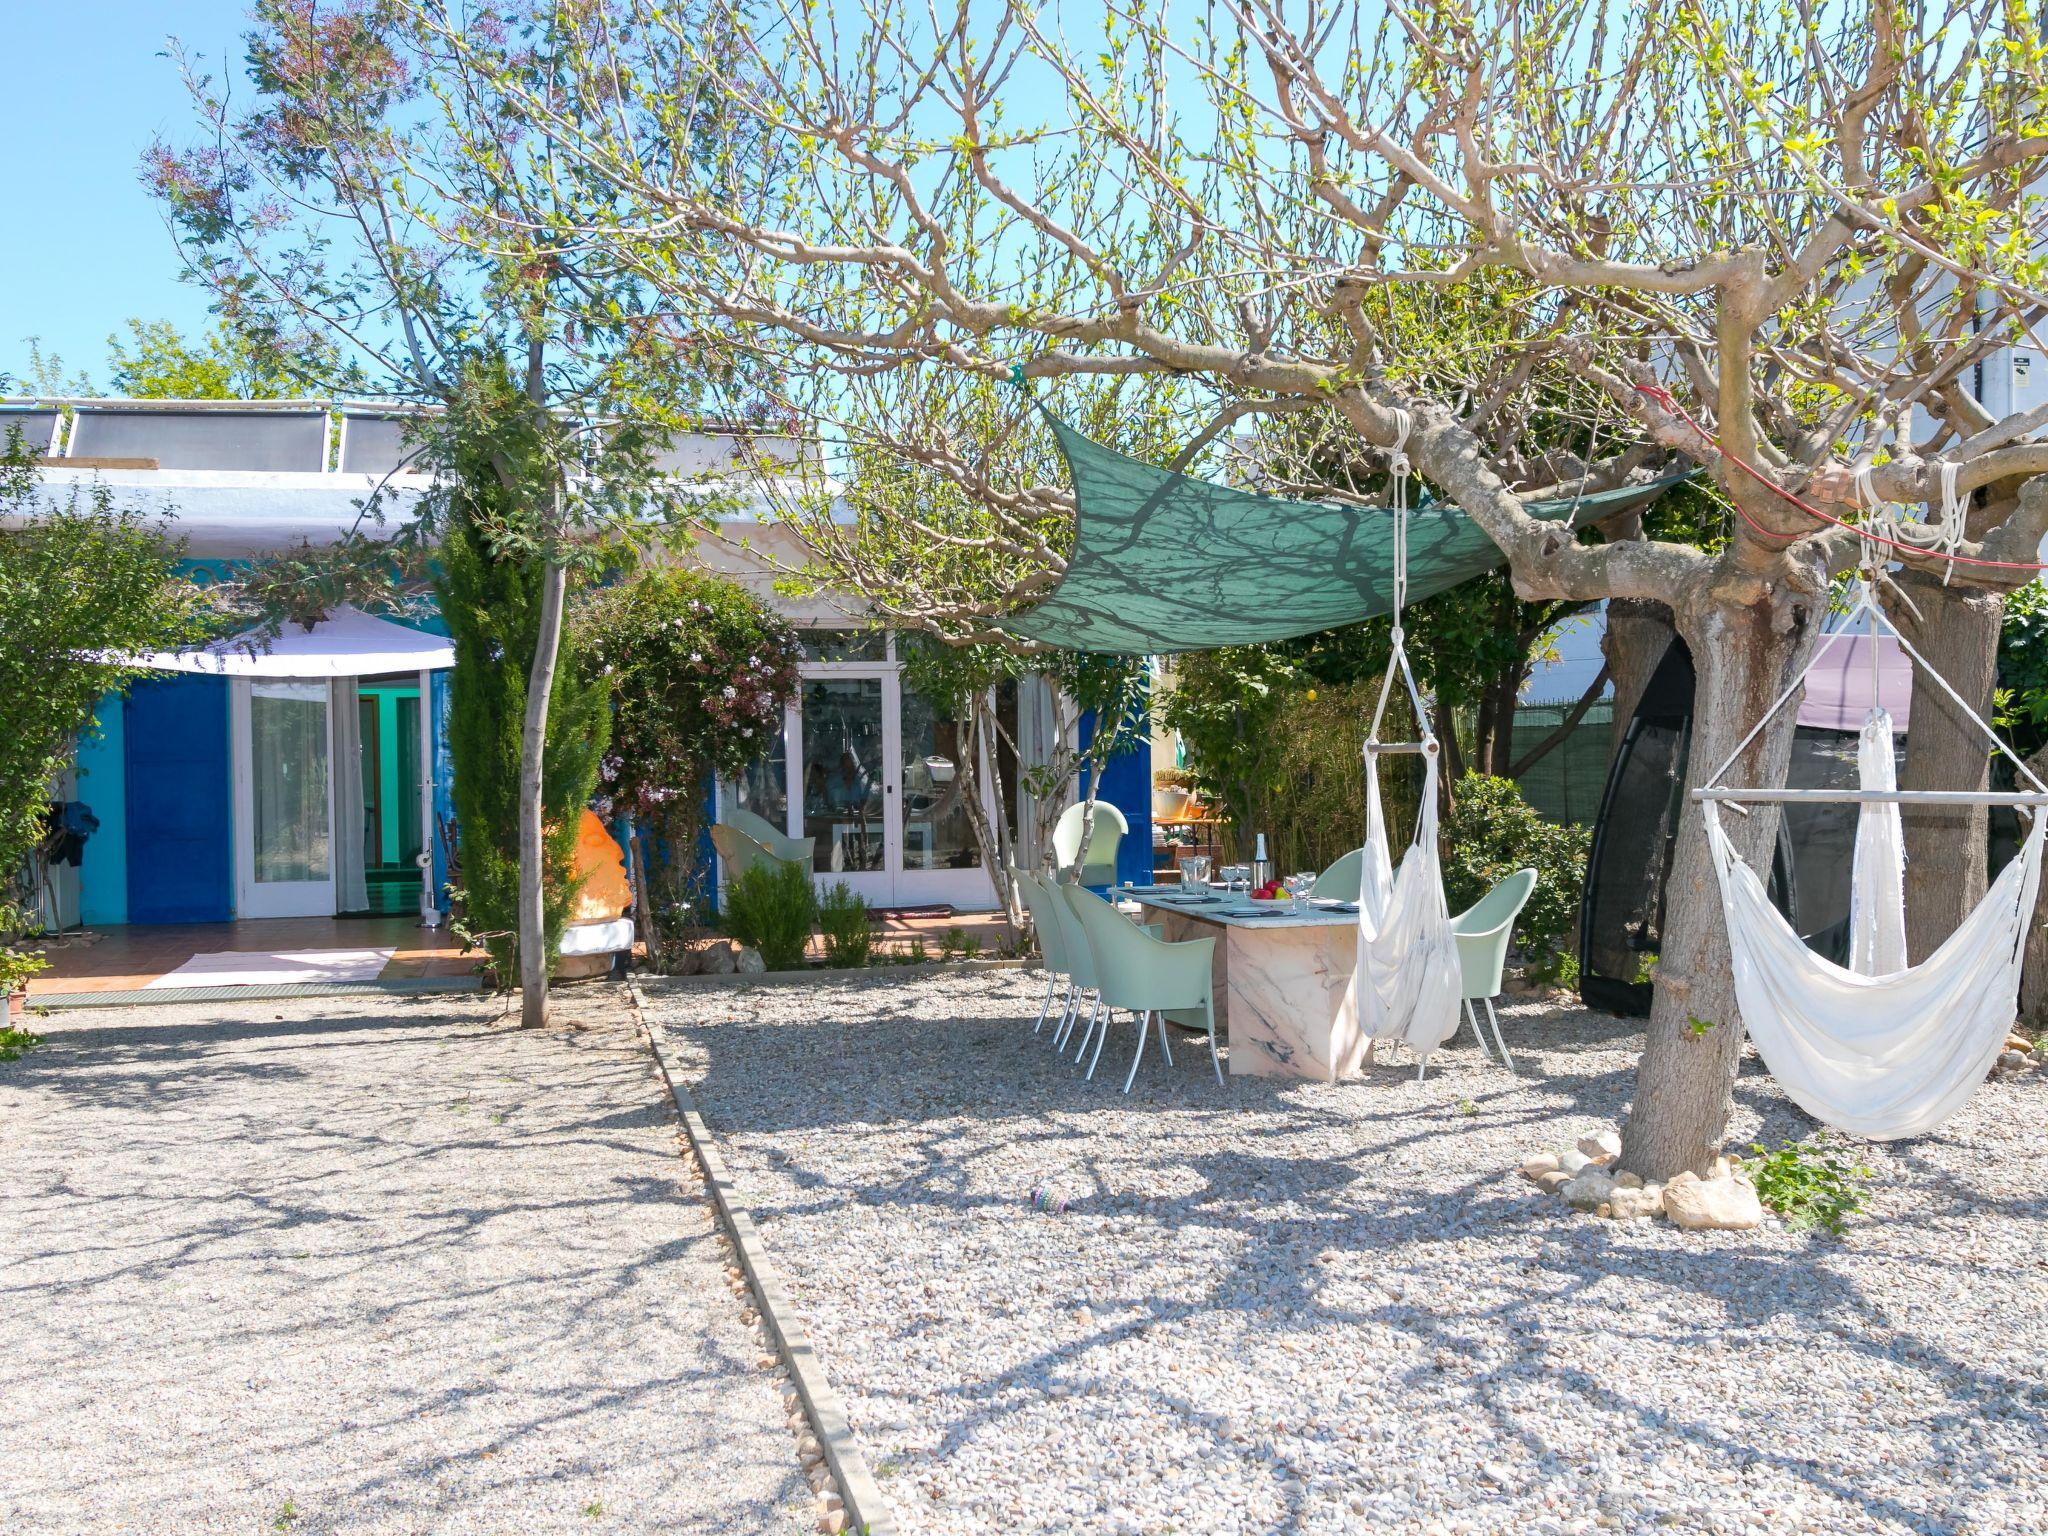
{"x": 83, "y": 246}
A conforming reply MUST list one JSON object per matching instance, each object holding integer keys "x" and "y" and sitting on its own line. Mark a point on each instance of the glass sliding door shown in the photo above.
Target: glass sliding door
{"x": 937, "y": 833}
{"x": 283, "y": 799}
{"x": 874, "y": 775}
{"x": 846, "y": 779}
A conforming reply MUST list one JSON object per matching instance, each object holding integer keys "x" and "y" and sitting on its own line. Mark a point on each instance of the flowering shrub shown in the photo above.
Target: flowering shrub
{"x": 698, "y": 671}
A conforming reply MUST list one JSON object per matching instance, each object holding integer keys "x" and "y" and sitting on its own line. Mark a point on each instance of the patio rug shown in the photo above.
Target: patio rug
{"x": 274, "y": 967}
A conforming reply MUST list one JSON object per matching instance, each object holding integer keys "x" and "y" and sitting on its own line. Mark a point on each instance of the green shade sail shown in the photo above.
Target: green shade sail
{"x": 1165, "y": 562}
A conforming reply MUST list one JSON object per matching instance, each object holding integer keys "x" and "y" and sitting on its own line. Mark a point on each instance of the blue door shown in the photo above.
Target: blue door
{"x": 179, "y": 827}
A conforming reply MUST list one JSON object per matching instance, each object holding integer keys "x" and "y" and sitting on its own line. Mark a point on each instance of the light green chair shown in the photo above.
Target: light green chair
{"x": 787, "y": 849}
{"x": 1340, "y": 882}
{"x": 1052, "y": 943}
{"x": 739, "y": 852}
{"x": 1482, "y": 932}
{"x": 1081, "y": 967}
{"x": 1146, "y": 975}
{"x": 1110, "y": 828}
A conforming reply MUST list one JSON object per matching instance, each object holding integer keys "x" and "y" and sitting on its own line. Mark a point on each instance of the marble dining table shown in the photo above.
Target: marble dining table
{"x": 1283, "y": 979}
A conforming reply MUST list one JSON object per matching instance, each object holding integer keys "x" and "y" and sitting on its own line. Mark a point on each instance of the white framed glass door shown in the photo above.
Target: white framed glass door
{"x": 283, "y": 738}
{"x": 870, "y": 774}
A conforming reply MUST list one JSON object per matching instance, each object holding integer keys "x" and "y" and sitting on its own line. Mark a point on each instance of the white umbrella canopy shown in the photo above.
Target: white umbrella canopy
{"x": 347, "y": 643}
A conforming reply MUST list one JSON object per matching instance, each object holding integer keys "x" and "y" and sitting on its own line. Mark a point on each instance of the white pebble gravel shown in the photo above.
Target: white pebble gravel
{"x": 1276, "y": 1306}
{"x": 368, "y": 1265}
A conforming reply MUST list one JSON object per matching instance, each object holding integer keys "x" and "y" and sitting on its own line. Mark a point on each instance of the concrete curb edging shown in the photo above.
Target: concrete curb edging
{"x": 816, "y": 974}
{"x": 866, "y": 1510}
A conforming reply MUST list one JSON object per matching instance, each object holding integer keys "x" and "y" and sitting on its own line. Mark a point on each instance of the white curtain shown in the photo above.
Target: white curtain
{"x": 1408, "y": 982}
{"x": 351, "y": 887}
{"x": 1877, "y": 884}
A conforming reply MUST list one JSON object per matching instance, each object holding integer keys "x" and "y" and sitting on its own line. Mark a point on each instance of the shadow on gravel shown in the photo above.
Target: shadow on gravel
{"x": 1312, "y": 1181}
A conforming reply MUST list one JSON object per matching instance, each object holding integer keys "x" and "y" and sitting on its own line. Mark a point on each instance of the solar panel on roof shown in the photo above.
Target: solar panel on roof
{"x": 175, "y": 439}
{"x": 376, "y": 445}
{"x": 37, "y": 428}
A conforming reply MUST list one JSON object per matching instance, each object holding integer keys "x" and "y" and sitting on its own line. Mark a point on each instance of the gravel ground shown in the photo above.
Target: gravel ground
{"x": 1320, "y": 1308}
{"x": 367, "y": 1265}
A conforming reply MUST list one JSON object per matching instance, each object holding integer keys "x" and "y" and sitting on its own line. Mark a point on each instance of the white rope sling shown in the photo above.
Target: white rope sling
{"x": 1877, "y": 1048}
{"x": 1408, "y": 983}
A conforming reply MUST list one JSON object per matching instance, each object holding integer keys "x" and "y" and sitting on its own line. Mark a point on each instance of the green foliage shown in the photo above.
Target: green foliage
{"x": 16, "y": 1043}
{"x": 698, "y": 670}
{"x": 1490, "y": 833}
{"x": 1279, "y": 754}
{"x": 1809, "y": 1184}
{"x": 489, "y": 590}
{"x": 773, "y": 908}
{"x": 80, "y": 581}
{"x": 2022, "y": 696}
{"x": 158, "y": 363}
{"x": 843, "y": 920}
{"x": 1696, "y": 1026}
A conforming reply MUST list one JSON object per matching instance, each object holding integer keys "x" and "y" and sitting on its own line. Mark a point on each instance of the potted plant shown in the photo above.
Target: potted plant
{"x": 1172, "y": 790}
{"x": 16, "y": 966}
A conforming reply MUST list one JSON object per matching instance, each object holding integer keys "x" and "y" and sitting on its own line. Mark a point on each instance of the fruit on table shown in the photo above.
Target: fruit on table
{"x": 1272, "y": 890}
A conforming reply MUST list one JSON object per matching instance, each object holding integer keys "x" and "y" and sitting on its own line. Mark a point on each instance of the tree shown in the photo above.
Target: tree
{"x": 697, "y": 672}
{"x": 1096, "y": 703}
{"x": 83, "y": 583}
{"x": 158, "y": 363}
{"x": 1768, "y": 241}
{"x": 495, "y": 604}
{"x": 327, "y": 209}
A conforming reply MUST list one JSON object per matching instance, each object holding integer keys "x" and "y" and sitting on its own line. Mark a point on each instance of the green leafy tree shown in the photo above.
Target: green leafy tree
{"x": 82, "y": 583}
{"x": 157, "y": 362}
{"x": 1491, "y": 832}
{"x": 373, "y": 192}
{"x": 493, "y": 601}
{"x": 697, "y": 671}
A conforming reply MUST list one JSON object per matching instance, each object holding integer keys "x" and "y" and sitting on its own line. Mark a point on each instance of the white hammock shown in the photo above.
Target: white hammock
{"x": 1408, "y": 983}
{"x": 1879, "y": 1048}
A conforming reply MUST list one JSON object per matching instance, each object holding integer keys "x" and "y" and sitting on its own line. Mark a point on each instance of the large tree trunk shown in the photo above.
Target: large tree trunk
{"x": 1957, "y": 632}
{"x": 533, "y": 918}
{"x": 1747, "y": 637}
{"x": 2034, "y": 961}
{"x": 1638, "y": 633}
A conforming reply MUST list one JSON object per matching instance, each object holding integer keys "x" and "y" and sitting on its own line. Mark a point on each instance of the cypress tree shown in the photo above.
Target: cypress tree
{"x": 488, "y": 586}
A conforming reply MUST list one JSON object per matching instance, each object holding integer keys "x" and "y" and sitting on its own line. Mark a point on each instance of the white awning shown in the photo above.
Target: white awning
{"x": 347, "y": 643}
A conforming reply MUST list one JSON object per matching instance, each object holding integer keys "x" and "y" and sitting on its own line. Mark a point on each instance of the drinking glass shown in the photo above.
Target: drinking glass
{"x": 1194, "y": 871}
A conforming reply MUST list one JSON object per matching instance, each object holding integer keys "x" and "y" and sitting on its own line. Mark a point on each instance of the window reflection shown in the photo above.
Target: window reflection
{"x": 843, "y": 770}
{"x": 936, "y": 831}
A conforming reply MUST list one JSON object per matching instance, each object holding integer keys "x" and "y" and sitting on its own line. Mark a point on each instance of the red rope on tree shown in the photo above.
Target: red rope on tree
{"x": 1664, "y": 398}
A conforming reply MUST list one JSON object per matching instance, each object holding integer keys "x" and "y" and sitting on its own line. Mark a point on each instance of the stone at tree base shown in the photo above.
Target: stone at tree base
{"x": 1628, "y": 1203}
{"x": 2019, "y": 1043}
{"x": 1573, "y": 1161}
{"x": 748, "y": 962}
{"x": 1590, "y": 1190}
{"x": 1628, "y": 1181}
{"x": 1723, "y": 1204}
{"x": 718, "y": 958}
{"x": 1602, "y": 1146}
{"x": 1550, "y": 1183}
{"x": 2012, "y": 1061}
{"x": 1543, "y": 1162}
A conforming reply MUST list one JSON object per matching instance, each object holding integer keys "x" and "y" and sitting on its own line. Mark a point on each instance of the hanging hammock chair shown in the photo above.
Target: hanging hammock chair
{"x": 1877, "y": 1048}
{"x": 1408, "y": 981}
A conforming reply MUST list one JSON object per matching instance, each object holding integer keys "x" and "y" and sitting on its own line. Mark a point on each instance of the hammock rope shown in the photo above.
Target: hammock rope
{"x": 1408, "y": 982}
